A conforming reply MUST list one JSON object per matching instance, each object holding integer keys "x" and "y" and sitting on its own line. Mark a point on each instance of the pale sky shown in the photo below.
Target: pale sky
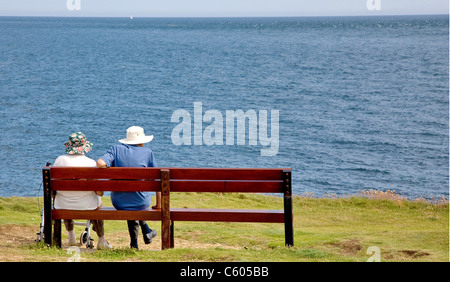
{"x": 218, "y": 8}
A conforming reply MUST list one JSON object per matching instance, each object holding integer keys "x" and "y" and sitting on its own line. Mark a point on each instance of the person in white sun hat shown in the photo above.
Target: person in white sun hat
{"x": 132, "y": 153}
{"x": 76, "y": 149}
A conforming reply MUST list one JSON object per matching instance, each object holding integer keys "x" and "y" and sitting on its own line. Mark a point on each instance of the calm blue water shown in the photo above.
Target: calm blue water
{"x": 363, "y": 101}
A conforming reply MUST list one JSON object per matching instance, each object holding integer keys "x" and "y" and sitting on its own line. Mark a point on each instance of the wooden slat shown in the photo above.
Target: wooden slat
{"x": 226, "y": 173}
{"x": 197, "y": 186}
{"x": 105, "y": 173}
{"x": 227, "y": 186}
{"x": 107, "y": 213}
{"x": 176, "y": 214}
{"x": 105, "y": 185}
{"x": 227, "y": 215}
{"x": 254, "y": 186}
{"x": 176, "y": 186}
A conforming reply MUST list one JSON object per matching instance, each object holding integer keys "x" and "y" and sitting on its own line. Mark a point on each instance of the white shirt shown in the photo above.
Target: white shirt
{"x": 76, "y": 200}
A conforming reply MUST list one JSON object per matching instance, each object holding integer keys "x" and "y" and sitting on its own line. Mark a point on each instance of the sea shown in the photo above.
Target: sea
{"x": 362, "y": 102}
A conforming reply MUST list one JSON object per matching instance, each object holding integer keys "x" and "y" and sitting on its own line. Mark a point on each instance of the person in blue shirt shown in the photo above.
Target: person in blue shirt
{"x": 132, "y": 153}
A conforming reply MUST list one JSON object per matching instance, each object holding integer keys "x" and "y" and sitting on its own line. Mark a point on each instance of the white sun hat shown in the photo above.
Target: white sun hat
{"x": 136, "y": 135}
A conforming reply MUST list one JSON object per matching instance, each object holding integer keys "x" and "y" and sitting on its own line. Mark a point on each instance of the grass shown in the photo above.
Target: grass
{"x": 326, "y": 229}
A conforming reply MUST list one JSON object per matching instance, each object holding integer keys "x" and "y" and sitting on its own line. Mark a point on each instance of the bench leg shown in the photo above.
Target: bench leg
{"x": 48, "y": 228}
{"x": 47, "y": 207}
{"x": 288, "y": 227}
{"x": 57, "y": 233}
{"x": 172, "y": 242}
{"x": 166, "y": 237}
{"x": 165, "y": 205}
{"x": 288, "y": 218}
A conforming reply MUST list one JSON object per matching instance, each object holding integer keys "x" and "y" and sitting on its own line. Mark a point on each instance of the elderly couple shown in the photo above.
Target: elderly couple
{"x": 130, "y": 153}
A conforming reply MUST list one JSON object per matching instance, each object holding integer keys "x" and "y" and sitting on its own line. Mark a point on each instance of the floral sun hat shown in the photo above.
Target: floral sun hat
{"x": 78, "y": 144}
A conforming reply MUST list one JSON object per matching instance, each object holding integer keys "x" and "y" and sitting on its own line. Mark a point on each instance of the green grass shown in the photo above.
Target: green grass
{"x": 326, "y": 229}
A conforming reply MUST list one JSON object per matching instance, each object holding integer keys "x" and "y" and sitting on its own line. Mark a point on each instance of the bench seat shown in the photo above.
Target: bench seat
{"x": 227, "y": 215}
{"x": 176, "y": 214}
{"x": 107, "y": 213}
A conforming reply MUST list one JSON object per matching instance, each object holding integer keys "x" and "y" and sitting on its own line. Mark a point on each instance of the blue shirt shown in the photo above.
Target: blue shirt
{"x": 130, "y": 156}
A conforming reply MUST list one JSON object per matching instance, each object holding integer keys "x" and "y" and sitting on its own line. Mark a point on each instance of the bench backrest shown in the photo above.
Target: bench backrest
{"x": 243, "y": 180}
{"x": 109, "y": 179}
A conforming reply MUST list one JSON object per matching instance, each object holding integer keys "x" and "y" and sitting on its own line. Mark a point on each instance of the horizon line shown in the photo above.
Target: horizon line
{"x": 274, "y": 16}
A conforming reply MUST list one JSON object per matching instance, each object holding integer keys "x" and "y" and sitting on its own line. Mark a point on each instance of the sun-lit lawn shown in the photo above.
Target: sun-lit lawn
{"x": 326, "y": 229}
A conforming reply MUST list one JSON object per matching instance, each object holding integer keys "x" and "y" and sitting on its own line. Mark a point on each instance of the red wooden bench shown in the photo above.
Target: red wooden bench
{"x": 167, "y": 181}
